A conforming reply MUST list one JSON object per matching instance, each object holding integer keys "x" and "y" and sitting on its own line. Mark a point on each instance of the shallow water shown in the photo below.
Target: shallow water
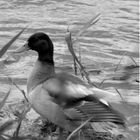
{"x": 101, "y": 46}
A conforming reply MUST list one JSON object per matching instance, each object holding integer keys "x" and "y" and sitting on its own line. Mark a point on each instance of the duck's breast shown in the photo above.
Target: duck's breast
{"x": 42, "y": 103}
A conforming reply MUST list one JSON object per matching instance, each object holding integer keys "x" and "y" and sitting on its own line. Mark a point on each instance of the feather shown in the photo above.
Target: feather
{"x": 62, "y": 98}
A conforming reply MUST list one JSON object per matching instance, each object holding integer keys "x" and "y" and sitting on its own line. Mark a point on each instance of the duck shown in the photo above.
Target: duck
{"x": 63, "y": 98}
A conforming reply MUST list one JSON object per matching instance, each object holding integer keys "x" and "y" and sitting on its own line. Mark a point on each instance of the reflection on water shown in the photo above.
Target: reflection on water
{"x": 101, "y": 46}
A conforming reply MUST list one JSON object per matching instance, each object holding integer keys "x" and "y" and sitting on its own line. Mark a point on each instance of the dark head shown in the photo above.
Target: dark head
{"x": 41, "y": 43}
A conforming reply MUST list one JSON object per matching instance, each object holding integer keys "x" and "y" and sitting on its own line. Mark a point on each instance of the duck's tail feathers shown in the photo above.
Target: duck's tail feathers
{"x": 102, "y": 112}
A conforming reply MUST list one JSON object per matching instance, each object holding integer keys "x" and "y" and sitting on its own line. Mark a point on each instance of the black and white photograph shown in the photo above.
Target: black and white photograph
{"x": 69, "y": 70}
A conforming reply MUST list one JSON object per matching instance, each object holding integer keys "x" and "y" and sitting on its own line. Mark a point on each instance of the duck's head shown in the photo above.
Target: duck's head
{"x": 42, "y": 44}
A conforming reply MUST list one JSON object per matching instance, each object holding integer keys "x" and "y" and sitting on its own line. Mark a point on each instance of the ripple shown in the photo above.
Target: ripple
{"x": 102, "y": 45}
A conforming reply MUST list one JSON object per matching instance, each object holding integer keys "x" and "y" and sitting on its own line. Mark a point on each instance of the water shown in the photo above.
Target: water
{"x": 101, "y": 46}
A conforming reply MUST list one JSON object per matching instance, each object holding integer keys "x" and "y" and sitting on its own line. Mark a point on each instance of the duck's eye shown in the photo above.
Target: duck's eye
{"x": 26, "y": 45}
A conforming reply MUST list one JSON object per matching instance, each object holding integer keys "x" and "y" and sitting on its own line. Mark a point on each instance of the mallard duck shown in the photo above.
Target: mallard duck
{"x": 63, "y": 98}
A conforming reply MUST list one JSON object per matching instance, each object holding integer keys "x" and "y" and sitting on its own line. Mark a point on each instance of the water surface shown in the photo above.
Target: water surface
{"x": 101, "y": 46}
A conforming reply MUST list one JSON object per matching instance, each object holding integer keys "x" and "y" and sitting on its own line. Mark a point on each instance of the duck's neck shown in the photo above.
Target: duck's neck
{"x": 46, "y": 57}
{"x": 41, "y": 72}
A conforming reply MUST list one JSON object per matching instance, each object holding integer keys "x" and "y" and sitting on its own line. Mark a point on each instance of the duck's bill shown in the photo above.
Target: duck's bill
{"x": 22, "y": 49}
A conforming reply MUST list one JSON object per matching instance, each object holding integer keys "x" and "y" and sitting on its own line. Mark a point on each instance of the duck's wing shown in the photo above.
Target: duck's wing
{"x": 71, "y": 87}
{"x": 70, "y": 92}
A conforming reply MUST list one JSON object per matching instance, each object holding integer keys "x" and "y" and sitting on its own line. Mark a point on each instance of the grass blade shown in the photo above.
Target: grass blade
{"x": 87, "y": 25}
{"x": 6, "y": 47}
{"x": 120, "y": 61}
{"x": 120, "y": 95}
{"x": 77, "y": 129}
{"x": 22, "y": 91}
{"x": 17, "y": 129}
{"x": 75, "y": 66}
{"x": 20, "y": 119}
{"x": 5, "y": 98}
{"x": 133, "y": 60}
{"x": 70, "y": 47}
{"x": 6, "y": 126}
